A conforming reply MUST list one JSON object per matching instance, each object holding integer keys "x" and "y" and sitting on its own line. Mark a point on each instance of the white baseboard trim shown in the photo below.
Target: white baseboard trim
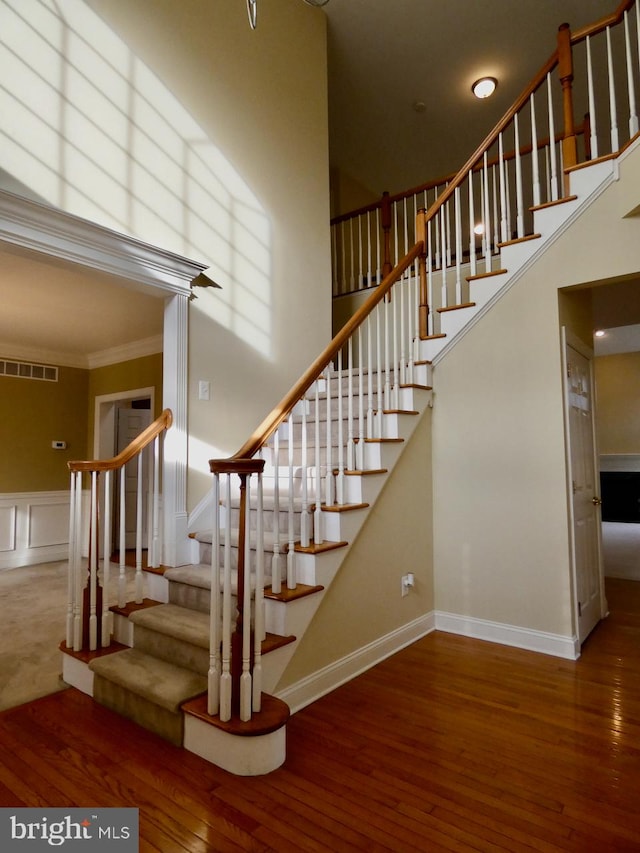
{"x": 509, "y": 635}
{"x": 314, "y": 686}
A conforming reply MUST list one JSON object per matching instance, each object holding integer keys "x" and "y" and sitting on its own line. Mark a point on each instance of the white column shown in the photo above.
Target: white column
{"x": 174, "y": 396}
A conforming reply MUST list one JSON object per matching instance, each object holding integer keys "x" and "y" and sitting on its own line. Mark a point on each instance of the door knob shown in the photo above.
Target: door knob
{"x": 596, "y": 501}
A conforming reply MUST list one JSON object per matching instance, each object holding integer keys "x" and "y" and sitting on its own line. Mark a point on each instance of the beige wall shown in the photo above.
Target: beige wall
{"x": 261, "y": 98}
{"x": 35, "y": 414}
{"x": 363, "y": 604}
{"x": 125, "y": 376}
{"x": 500, "y": 503}
{"x": 618, "y": 402}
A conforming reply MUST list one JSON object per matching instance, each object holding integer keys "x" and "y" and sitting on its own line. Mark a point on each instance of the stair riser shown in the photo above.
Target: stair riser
{"x": 166, "y": 724}
{"x": 171, "y": 649}
{"x": 205, "y": 557}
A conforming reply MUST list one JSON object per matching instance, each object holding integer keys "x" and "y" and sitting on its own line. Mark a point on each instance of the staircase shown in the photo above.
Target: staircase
{"x": 293, "y": 500}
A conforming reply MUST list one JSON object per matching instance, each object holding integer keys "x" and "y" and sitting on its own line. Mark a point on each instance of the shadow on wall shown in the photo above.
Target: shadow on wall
{"x": 90, "y": 129}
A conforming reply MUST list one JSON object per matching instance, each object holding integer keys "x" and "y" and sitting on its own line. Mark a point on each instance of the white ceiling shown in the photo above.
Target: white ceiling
{"x": 384, "y": 55}
{"x": 93, "y": 314}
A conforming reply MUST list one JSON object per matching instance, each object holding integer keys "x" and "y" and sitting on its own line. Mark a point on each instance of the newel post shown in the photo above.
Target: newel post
{"x": 423, "y": 308}
{"x": 565, "y": 71}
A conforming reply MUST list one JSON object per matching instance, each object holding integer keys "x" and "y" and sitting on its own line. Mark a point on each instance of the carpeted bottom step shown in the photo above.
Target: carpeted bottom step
{"x": 146, "y": 690}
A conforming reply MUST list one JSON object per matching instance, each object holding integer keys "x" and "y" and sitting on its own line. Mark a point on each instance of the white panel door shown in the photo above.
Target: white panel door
{"x": 130, "y": 423}
{"x": 585, "y": 491}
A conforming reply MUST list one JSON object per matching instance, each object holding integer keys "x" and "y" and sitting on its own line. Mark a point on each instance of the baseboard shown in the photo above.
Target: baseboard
{"x": 307, "y": 690}
{"x": 556, "y": 645}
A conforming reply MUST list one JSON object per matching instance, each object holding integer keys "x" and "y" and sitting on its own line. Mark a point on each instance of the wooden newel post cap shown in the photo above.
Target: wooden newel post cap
{"x": 236, "y": 466}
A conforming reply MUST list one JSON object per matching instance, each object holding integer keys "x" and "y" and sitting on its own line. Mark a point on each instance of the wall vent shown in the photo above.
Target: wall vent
{"x": 25, "y": 370}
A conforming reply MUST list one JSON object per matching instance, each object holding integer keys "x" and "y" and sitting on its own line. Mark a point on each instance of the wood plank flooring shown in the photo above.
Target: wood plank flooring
{"x": 451, "y": 745}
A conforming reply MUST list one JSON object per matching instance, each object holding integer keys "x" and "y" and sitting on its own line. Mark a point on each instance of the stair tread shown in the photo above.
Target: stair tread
{"x": 190, "y": 626}
{"x": 161, "y": 683}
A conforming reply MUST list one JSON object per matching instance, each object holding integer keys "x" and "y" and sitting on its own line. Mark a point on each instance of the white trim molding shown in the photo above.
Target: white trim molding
{"x": 41, "y": 228}
{"x": 624, "y": 462}
{"x": 556, "y": 645}
{"x": 34, "y": 528}
{"x": 314, "y": 686}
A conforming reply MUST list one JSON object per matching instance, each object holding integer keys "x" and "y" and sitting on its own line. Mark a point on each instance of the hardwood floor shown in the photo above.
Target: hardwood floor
{"x": 451, "y": 745}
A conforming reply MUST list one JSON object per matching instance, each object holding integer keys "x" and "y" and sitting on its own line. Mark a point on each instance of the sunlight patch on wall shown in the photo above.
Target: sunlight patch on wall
{"x": 90, "y": 129}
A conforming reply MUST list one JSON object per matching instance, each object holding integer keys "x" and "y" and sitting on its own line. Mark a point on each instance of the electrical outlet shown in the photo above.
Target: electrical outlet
{"x": 407, "y": 581}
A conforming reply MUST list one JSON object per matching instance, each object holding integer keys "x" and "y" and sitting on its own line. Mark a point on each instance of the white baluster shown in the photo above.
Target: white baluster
{"x": 340, "y": 475}
{"x": 430, "y": 285}
{"x": 105, "y": 627}
{"x": 486, "y": 234}
{"x": 361, "y": 432}
{"x": 317, "y": 518}
{"x": 291, "y": 581}
{"x": 93, "y": 564}
{"x": 276, "y": 567}
{"x": 330, "y": 477}
{"x": 71, "y": 569}
{"x": 335, "y": 283}
{"x": 351, "y": 452}
{"x": 387, "y": 355}
{"x": 508, "y": 196}
{"x": 369, "y": 251}
{"x": 360, "y": 282}
{"x": 535, "y": 168}
{"x": 370, "y": 406}
{"x": 122, "y": 574}
{"x": 472, "y": 220}
{"x": 592, "y": 102}
{"x": 259, "y": 624}
{"x": 519, "y": 188}
{"x": 504, "y": 232}
{"x": 379, "y": 376}
{"x": 246, "y": 691}
{"x": 458, "y": 249}
{"x": 213, "y": 675}
{"x": 78, "y": 607}
{"x": 139, "y": 577}
{"x": 496, "y": 219}
{"x": 613, "y": 110}
{"x": 633, "y": 114}
{"x": 352, "y": 277}
{"x": 552, "y": 143}
{"x": 444, "y": 296}
{"x": 343, "y": 287}
{"x": 154, "y": 551}
{"x": 225, "y": 678}
{"x": 436, "y": 220}
{"x": 305, "y": 536}
{"x": 378, "y": 249}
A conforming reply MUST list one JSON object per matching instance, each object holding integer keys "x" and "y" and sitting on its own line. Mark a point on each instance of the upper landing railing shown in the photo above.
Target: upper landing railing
{"x": 593, "y": 74}
{"x": 420, "y": 249}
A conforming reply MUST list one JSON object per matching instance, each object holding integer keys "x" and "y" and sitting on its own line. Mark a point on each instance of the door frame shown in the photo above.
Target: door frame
{"x": 569, "y": 338}
{"x": 104, "y": 425}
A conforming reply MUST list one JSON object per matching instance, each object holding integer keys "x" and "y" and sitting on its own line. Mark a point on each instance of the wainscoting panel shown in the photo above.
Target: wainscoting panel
{"x": 34, "y": 528}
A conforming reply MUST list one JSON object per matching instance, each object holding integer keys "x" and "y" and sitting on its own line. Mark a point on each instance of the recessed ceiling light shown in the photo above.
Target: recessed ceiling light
{"x": 599, "y": 333}
{"x": 479, "y": 228}
{"x": 484, "y": 87}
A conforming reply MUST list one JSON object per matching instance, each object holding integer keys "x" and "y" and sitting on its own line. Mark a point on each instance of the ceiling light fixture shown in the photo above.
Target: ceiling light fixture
{"x": 484, "y": 87}
{"x": 599, "y": 333}
{"x": 252, "y": 9}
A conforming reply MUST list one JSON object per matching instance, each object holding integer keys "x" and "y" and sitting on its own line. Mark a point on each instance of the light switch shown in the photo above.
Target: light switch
{"x": 203, "y": 389}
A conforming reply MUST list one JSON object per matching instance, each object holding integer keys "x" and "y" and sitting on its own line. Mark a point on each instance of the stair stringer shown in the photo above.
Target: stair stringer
{"x": 587, "y": 184}
{"x": 320, "y": 566}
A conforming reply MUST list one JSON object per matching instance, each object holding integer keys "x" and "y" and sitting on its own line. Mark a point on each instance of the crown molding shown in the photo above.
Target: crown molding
{"x": 125, "y": 352}
{"x": 38, "y": 227}
{"x": 103, "y": 358}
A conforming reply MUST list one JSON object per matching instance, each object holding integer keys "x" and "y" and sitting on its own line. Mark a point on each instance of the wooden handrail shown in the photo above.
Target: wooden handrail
{"x": 282, "y": 410}
{"x": 145, "y": 438}
{"x": 603, "y": 23}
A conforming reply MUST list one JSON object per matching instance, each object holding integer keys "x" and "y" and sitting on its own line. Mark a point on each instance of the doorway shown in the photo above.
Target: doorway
{"x": 119, "y": 418}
